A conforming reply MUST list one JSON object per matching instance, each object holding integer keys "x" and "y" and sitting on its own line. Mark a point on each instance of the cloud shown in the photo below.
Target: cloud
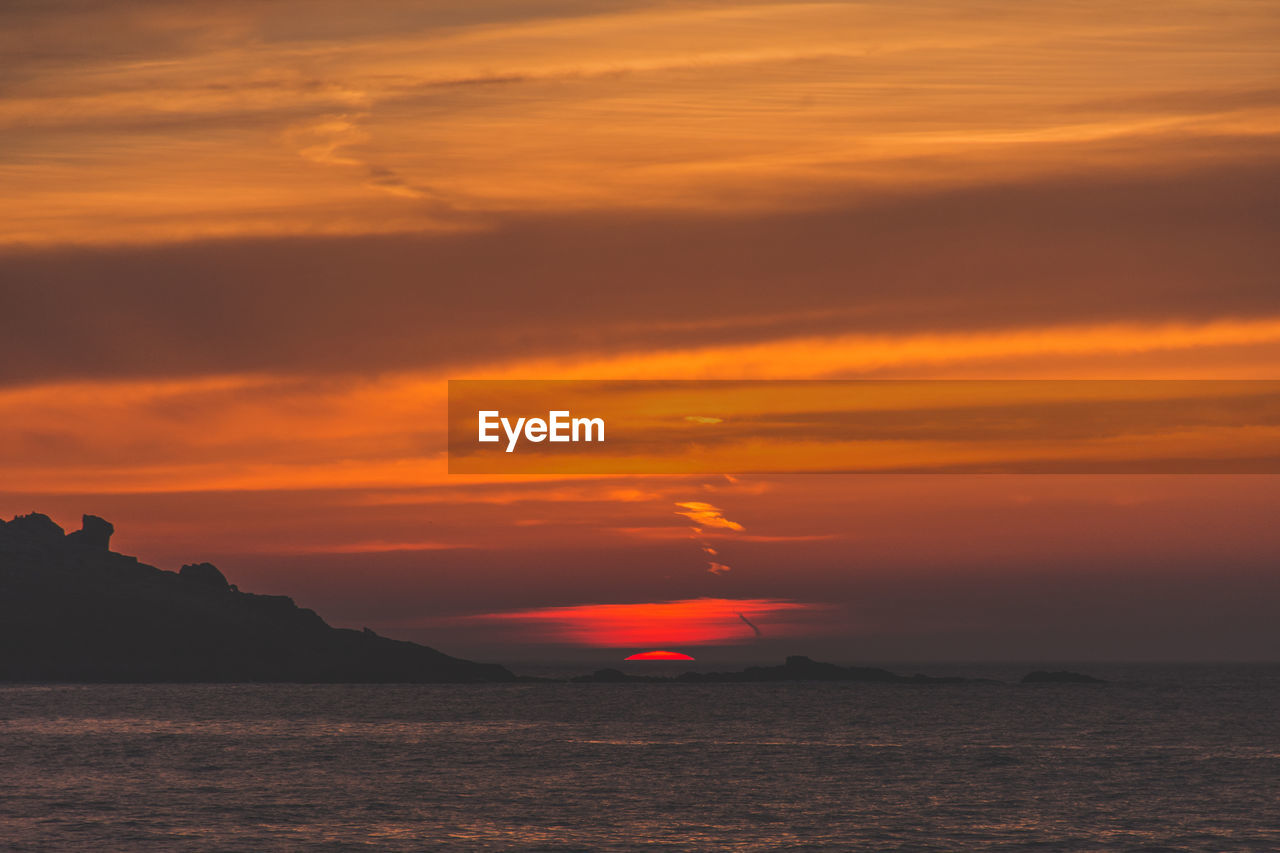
{"x": 700, "y": 621}
{"x": 705, "y": 515}
{"x": 325, "y": 141}
{"x": 575, "y": 108}
{"x": 341, "y": 140}
{"x": 1120, "y": 267}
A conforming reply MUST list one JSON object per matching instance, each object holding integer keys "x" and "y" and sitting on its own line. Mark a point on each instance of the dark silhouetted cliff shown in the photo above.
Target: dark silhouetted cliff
{"x": 73, "y": 610}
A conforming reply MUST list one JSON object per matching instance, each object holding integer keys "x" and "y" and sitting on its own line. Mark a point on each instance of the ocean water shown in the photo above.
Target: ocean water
{"x": 1163, "y": 758}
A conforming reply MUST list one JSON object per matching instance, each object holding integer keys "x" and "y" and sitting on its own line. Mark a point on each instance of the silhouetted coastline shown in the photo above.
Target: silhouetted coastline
{"x": 796, "y": 668}
{"x": 801, "y": 668}
{"x": 73, "y": 610}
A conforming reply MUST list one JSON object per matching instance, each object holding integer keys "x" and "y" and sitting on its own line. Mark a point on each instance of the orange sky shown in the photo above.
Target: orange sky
{"x": 245, "y": 245}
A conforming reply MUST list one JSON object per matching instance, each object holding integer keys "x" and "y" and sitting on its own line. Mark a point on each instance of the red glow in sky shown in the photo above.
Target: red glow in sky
{"x": 691, "y": 622}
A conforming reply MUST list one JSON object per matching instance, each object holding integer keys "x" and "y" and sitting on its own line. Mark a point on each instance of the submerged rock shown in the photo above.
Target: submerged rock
{"x": 1063, "y": 676}
{"x": 796, "y": 668}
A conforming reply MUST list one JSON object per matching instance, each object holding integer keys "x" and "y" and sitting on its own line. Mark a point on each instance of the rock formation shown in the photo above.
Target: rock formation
{"x": 94, "y": 533}
{"x": 73, "y": 610}
{"x": 1063, "y": 676}
{"x": 205, "y": 574}
{"x": 796, "y": 668}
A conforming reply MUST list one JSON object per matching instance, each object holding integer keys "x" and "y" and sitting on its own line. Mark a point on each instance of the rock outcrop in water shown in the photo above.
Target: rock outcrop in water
{"x": 1040, "y": 676}
{"x": 800, "y": 668}
{"x": 796, "y": 668}
{"x": 73, "y": 610}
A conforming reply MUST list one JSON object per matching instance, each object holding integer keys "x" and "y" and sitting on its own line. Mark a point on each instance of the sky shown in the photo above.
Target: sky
{"x": 244, "y": 247}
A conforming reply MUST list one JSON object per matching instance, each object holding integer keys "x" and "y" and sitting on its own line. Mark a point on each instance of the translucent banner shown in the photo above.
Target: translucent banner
{"x": 868, "y": 426}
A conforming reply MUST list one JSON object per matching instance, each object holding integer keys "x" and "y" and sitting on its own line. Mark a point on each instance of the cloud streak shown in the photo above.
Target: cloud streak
{"x": 1121, "y": 269}
{"x": 704, "y": 516}
{"x": 688, "y": 622}
{"x": 573, "y": 107}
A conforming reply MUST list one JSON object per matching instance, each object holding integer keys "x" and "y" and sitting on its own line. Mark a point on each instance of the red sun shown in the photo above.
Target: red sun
{"x": 659, "y": 656}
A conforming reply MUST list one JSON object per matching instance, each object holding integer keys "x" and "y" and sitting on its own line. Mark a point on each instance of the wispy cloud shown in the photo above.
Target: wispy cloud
{"x": 705, "y": 515}
{"x": 699, "y": 621}
{"x": 270, "y": 431}
{"x": 589, "y": 108}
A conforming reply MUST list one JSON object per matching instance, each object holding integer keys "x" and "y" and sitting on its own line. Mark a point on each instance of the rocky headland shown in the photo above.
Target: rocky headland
{"x": 71, "y": 609}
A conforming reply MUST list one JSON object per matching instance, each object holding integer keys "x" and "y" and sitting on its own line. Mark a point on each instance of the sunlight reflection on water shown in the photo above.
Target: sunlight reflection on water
{"x": 616, "y": 767}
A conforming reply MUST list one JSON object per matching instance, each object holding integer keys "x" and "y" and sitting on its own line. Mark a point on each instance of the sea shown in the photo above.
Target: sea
{"x": 1161, "y": 758}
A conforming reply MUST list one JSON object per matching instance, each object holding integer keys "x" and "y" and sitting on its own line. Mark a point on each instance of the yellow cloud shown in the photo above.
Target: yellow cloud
{"x": 705, "y": 515}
